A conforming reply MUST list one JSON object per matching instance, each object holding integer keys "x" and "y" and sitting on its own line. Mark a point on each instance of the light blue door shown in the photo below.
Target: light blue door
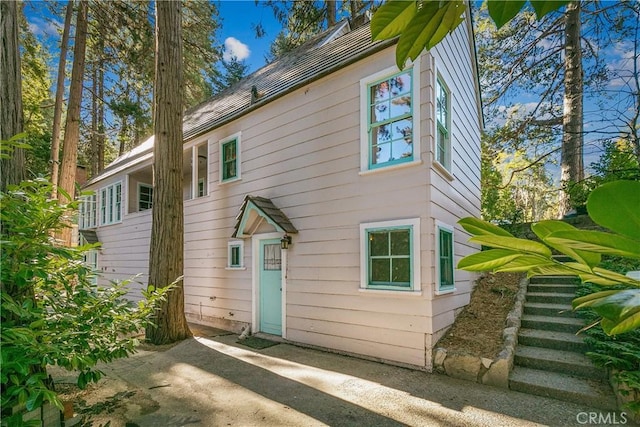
{"x": 271, "y": 287}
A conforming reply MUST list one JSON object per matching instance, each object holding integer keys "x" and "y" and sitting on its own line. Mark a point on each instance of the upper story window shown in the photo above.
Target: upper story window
{"x": 390, "y": 255}
{"x": 230, "y": 158}
{"x": 443, "y": 124}
{"x": 111, "y": 204}
{"x": 88, "y": 217}
{"x": 196, "y": 171}
{"x": 389, "y": 118}
{"x": 145, "y": 197}
{"x": 445, "y": 258}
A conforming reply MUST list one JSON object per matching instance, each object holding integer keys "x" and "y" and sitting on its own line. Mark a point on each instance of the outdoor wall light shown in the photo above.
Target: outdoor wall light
{"x": 285, "y": 242}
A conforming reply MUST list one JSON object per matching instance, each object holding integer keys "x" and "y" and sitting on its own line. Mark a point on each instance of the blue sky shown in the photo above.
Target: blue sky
{"x": 236, "y": 32}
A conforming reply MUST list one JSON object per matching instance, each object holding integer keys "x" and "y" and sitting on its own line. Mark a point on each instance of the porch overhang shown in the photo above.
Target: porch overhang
{"x": 255, "y": 211}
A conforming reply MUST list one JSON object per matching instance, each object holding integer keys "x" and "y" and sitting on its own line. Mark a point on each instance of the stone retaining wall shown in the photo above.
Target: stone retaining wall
{"x": 493, "y": 372}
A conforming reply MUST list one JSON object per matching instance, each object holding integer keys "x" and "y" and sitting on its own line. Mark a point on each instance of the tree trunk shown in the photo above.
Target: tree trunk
{"x": 331, "y": 13}
{"x": 167, "y": 232}
{"x": 57, "y": 110}
{"x": 72, "y": 126}
{"x": 11, "y": 116}
{"x": 572, "y": 167}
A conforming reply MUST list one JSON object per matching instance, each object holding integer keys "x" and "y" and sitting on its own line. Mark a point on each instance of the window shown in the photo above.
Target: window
{"x": 389, "y": 116}
{"x": 201, "y": 187}
{"x": 90, "y": 259}
{"x": 196, "y": 171}
{"x": 235, "y": 255}
{"x": 445, "y": 260}
{"x": 111, "y": 204}
{"x": 390, "y": 255}
{"x": 230, "y": 158}
{"x": 443, "y": 124}
{"x": 88, "y": 212}
{"x": 145, "y": 197}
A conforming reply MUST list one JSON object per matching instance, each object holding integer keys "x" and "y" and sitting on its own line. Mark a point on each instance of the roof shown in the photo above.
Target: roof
{"x": 267, "y": 210}
{"x": 324, "y": 54}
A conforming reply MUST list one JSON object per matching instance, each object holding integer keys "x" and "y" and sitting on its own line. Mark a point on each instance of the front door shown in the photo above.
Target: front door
{"x": 270, "y": 287}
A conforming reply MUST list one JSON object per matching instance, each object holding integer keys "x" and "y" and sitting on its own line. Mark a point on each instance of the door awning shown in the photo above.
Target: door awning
{"x": 255, "y": 211}
{"x": 90, "y": 236}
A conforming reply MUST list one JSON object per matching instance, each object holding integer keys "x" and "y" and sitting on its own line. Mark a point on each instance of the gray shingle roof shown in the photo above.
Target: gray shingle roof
{"x": 267, "y": 207}
{"x": 315, "y": 59}
{"x": 303, "y": 65}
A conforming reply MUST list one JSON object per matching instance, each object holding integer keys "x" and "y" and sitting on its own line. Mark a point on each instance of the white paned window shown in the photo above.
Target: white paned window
{"x": 145, "y": 197}
{"x": 88, "y": 217}
{"x": 390, "y": 118}
{"x": 230, "y": 158}
{"x": 443, "y": 124}
{"x": 445, "y": 258}
{"x": 111, "y": 204}
{"x": 390, "y": 255}
{"x": 235, "y": 254}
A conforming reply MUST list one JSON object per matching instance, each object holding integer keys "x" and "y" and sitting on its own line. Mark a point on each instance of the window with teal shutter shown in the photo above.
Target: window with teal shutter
{"x": 445, "y": 255}
{"x": 390, "y": 258}
{"x": 229, "y": 160}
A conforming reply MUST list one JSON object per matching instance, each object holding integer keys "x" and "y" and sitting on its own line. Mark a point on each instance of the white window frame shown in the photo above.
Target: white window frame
{"x": 413, "y": 224}
{"x": 109, "y": 214}
{"x": 140, "y": 186}
{"x": 440, "y": 290}
{"x": 237, "y": 136}
{"x": 235, "y": 244}
{"x": 91, "y": 259}
{"x": 88, "y": 215}
{"x": 440, "y": 81}
{"x": 365, "y": 150}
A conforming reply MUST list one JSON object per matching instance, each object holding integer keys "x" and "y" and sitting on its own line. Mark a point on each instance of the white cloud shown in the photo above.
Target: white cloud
{"x": 235, "y": 48}
{"x": 44, "y": 28}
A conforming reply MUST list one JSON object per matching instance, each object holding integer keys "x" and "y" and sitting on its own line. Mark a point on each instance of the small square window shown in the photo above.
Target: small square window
{"x": 235, "y": 255}
{"x": 390, "y": 258}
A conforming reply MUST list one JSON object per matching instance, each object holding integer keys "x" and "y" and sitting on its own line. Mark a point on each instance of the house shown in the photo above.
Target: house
{"x": 321, "y": 196}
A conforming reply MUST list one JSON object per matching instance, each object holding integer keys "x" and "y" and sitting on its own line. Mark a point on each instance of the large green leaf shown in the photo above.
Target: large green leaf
{"x": 502, "y": 11}
{"x": 523, "y": 263}
{"x": 433, "y": 21}
{"x": 543, "y": 7}
{"x": 487, "y": 260}
{"x": 590, "y": 299}
{"x": 478, "y": 227}
{"x": 597, "y": 241}
{"x": 392, "y": 18}
{"x": 618, "y": 305}
{"x": 543, "y": 229}
{"x": 617, "y": 277}
{"x": 616, "y": 206}
{"x": 620, "y": 326}
{"x": 522, "y": 245}
{"x": 552, "y": 269}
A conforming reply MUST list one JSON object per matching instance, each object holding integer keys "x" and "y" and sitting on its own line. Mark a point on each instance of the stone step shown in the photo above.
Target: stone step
{"x": 545, "y": 309}
{"x": 559, "y": 280}
{"x": 552, "y": 339}
{"x": 550, "y": 297}
{"x": 563, "y": 387}
{"x": 548, "y": 323}
{"x": 552, "y": 288}
{"x": 566, "y": 362}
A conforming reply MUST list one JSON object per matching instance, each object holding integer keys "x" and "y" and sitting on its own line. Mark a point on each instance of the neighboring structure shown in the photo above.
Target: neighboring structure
{"x": 358, "y": 169}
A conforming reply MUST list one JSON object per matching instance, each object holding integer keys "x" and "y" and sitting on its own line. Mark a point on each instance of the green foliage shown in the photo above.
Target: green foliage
{"x": 619, "y": 308}
{"x": 52, "y": 312}
{"x": 618, "y": 352}
{"x": 422, "y": 24}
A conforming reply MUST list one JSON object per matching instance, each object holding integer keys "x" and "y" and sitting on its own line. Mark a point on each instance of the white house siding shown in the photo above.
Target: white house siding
{"x": 125, "y": 246}
{"x": 457, "y": 195}
{"x": 302, "y": 151}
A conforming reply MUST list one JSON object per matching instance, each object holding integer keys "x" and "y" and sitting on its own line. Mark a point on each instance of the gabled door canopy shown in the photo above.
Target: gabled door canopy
{"x": 257, "y": 210}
